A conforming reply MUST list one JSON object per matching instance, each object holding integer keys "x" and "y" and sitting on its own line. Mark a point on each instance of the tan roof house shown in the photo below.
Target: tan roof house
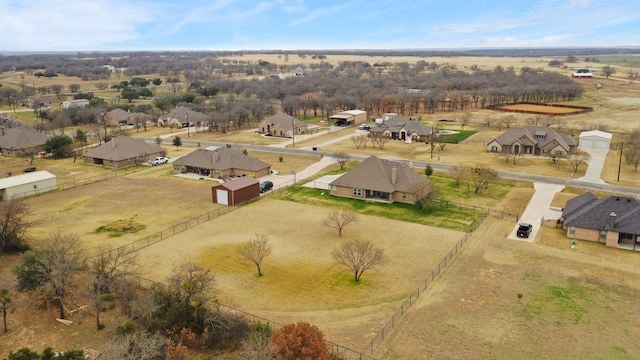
{"x": 19, "y": 141}
{"x": 534, "y": 140}
{"x": 121, "y": 117}
{"x": 40, "y": 101}
{"x": 183, "y": 117}
{"x": 349, "y": 117}
{"x": 282, "y": 125}
{"x": 221, "y": 163}
{"x": 123, "y": 151}
{"x": 401, "y": 127}
{"x": 612, "y": 220}
{"x": 377, "y": 179}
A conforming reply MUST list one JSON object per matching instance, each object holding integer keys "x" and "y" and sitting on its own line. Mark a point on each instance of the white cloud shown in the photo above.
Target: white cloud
{"x": 292, "y": 6}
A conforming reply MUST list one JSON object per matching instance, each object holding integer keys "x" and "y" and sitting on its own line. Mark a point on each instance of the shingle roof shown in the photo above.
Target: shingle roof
{"x": 225, "y": 159}
{"x": 122, "y": 148}
{"x": 18, "y": 138}
{"x": 587, "y": 211}
{"x": 376, "y": 174}
{"x": 530, "y": 132}
{"x": 284, "y": 121}
{"x": 180, "y": 112}
{"x": 239, "y": 183}
{"x": 397, "y": 123}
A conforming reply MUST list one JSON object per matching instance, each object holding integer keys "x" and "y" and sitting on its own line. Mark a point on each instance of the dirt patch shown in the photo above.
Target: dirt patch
{"x": 542, "y": 109}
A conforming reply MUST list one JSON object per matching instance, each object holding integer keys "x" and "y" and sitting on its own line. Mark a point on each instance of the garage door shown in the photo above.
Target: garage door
{"x": 222, "y": 196}
{"x": 586, "y": 143}
{"x": 602, "y": 144}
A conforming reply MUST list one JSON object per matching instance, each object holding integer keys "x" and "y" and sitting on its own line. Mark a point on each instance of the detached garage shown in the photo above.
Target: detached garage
{"x": 20, "y": 186}
{"x": 595, "y": 139}
{"x": 236, "y": 191}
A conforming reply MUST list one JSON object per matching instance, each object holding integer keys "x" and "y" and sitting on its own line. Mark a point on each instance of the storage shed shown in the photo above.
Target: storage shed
{"x": 595, "y": 139}
{"x": 349, "y": 117}
{"x": 33, "y": 183}
{"x": 236, "y": 191}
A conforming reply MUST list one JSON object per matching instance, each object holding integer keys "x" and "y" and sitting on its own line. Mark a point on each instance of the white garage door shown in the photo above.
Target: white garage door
{"x": 222, "y": 196}
{"x": 602, "y": 144}
{"x": 586, "y": 143}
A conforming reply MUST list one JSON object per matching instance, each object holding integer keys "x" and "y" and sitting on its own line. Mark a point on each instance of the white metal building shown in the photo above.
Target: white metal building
{"x": 595, "y": 139}
{"x": 20, "y": 186}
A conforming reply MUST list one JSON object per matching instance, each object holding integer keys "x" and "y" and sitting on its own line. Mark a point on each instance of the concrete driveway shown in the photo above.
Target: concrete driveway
{"x": 595, "y": 165}
{"x": 539, "y": 208}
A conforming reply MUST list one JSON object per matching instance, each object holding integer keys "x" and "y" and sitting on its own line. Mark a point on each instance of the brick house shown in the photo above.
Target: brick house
{"x": 222, "y": 163}
{"x": 401, "y": 127}
{"x": 533, "y": 140}
{"x": 381, "y": 180}
{"x": 19, "y": 141}
{"x": 282, "y": 125}
{"x": 122, "y": 151}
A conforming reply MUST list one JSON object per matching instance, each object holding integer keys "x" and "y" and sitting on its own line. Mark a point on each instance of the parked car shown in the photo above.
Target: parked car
{"x": 30, "y": 169}
{"x": 524, "y": 230}
{"x": 159, "y": 160}
{"x": 364, "y": 127}
{"x": 266, "y": 186}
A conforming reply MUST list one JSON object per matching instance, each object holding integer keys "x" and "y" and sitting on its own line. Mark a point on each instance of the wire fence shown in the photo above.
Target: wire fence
{"x": 492, "y": 212}
{"x": 422, "y": 288}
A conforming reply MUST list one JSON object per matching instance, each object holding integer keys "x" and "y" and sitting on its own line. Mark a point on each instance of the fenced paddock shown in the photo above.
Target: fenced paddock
{"x": 541, "y": 109}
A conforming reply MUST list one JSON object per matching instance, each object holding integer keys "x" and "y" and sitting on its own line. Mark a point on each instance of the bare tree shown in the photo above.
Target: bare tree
{"x": 339, "y": 219}
{"x": 508, "y": 155}
{"x": 140, "y": 345}
{"x": 457, "y": 173}
{"x": 423, "y": 191}
{"x": 480, "y": 177}
{"x": 379, "y": 142}
{"x": 359, "y": 141}
{"x": 255, "y": 250}
{"x": 465, "y": 118}
{"x": 5, "y": 301}
{"x": 359, "y": 256}
{"x": 111, "y": 267}
{"x": 14, "y": 223}
{"x": 341, "y": 158}
{"x": 576, "y": 158}
{"x": 508, "y": 120}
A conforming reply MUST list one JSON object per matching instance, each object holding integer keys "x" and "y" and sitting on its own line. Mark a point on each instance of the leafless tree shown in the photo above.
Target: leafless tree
{"x": 360, "y": 140}
{"x": 489, "y": 121}
{"x": 339, "y": 219}
{"x": 423, "y": 191}
{"x": 457, "y": 173}
{"x": 465, "y": 118}
{"x": 379, "y": 142}
{"x": 141, "y": 345}
{"x": 508, "y": 120}
{"x": 341, "y": 158}
{"x": 255, "y": 250}
{"x": 480, "y": 176}
{"x": 111, "y": 267}
{"x": 509, "y": 155}
{"x": 576, "y": 158}
{"x": 14, "y": 223}
{"x": 5, "y": 299}
{"x": 359, "y": 256}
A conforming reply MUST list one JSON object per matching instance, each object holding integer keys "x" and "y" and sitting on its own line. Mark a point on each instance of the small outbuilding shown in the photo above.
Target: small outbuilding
{"x": 349, "y": 117}
{"x": 236, "y": 191}
{"x": 595, "y": 139}
{"x": 29, "y": 184}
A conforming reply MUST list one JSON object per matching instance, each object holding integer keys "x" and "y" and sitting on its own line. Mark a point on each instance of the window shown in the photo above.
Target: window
{"x": 572, "y": 230}
{"x": 603, "y": 234}
{"x": 494, "y": 149}
{"x": 404, "y": 195}
{"x": 357, "y": 192}
{"x": 333, "y": 187}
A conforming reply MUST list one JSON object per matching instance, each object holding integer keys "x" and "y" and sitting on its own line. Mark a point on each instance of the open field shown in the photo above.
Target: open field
{"x": 474, "y": 311}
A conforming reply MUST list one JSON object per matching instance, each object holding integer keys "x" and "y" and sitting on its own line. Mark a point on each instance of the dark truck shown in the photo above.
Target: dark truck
{"x": 524, "y": 230}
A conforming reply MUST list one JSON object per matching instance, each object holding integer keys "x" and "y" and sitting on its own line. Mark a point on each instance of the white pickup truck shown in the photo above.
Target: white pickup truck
{"x": 159, "y": 160}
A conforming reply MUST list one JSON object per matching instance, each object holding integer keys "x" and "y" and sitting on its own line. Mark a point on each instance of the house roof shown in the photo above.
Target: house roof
{"x": 77, "y": 101}
{"x": 221, "y": 159}
{"x": 19, "y": 138}
{"x": 587, "y": 211}
{"x": 533, "y": 133}
{"x": 180, "y": 112}
{"x": 397, "y": 123}
{"x": 239, "y": 183}
{"x": 122, "y": 148}
{"x": 27, "y": 178}
{"x": 42, "y": 99}
{"x": 597, "y": 133}
{"x": 376, "y": 174}
{"x": 284, "y": 121}
{"x": 119, "y": 114}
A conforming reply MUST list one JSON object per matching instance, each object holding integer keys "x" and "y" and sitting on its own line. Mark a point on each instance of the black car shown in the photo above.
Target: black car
{"x": 524, "y": 230}
{"x": 266, "y": 186}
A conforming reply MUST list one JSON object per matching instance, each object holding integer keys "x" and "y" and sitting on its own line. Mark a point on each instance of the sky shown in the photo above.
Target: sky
{"x": 201, "y": 25}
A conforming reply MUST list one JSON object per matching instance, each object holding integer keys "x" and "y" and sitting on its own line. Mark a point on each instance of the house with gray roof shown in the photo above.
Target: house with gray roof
{"x": 533, "y": 140}
{"x": 376, "y": 179}
{"x": 401, "y": 127}
{"x": 20, "y": 141}
{"x": 222, "y": 163}
{"x": 183, "y": 117}
{"x": 123, "y": 151}
{"x": 282, "y": 125}
{"x": 614, "y": 220}
{"x": 121, "y": 117}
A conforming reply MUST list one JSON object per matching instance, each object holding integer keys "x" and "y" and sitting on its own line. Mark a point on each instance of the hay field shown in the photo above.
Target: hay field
{"x": 301, "y": 281}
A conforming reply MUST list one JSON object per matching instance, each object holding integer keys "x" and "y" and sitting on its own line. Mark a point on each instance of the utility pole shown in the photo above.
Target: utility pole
{"x": 293, "y": 131}
{"x": 620, "y": 161}
{"x": 432, "y": 144}
{"x": 186, "y": 117}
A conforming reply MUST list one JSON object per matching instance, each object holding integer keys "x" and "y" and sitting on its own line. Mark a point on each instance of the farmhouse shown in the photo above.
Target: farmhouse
{"x": 75, "y": 103}
{"x": 349, "y": 117}
{"x": 121, "y": 117}
{"x": 236, "y": 191}
{"x": 122, "y": 151}
{"x": 377, "y": 179}
{"x": 40, "y": 101}
{"x": 534, "y": 140}
{"x": 612, "y": 220}
{"x": 222, "y": 163}
{"x": 282, "y": 125}
{"x": 401, "y": 128}
{"x": 27, "y": 184}
{"x": 19, "y": 141}
{"x": 183, "y": 117}
{"x": 595, "y": 139}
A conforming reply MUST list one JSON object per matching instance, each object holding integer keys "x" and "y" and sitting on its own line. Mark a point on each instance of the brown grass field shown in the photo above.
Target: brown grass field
{"x": 577, "y": 303}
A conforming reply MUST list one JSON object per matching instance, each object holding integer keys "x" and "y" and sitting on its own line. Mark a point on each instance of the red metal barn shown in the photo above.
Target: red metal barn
{"x": 236, "y": 191}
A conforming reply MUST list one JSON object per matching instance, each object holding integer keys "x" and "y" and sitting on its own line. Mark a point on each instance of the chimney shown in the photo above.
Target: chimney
{"x": 612, "y": 220}
{"x": 394, "y": 174}
{"x": 216, "y": 157}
